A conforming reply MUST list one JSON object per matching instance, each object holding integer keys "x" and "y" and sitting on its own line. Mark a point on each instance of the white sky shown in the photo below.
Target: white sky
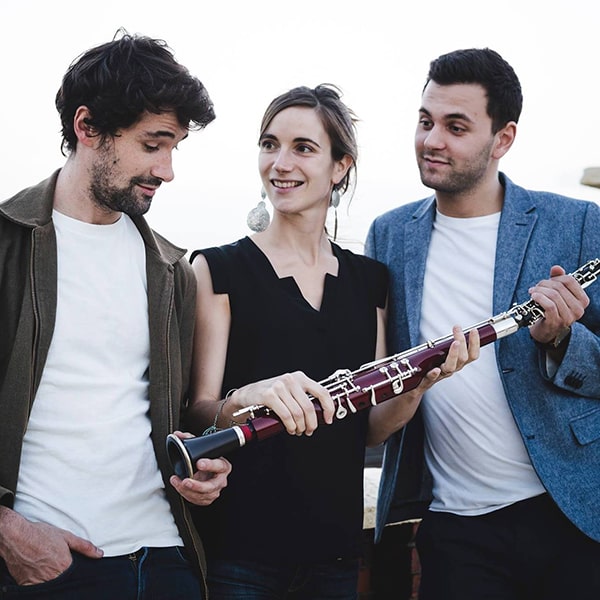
{"x": 248, "y": 51}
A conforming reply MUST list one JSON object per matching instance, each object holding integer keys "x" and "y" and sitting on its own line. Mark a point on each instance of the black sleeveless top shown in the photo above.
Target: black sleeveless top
{"x": 293, "y": 499}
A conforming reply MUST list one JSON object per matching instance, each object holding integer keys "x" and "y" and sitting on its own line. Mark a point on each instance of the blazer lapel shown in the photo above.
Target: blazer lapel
{"x": 417, "y": 235}
{"x": 514, "y": 232}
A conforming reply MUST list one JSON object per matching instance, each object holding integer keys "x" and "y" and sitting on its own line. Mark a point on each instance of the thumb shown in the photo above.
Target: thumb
{"x": 430, "y": 378}
{"x": 83, "y": 546}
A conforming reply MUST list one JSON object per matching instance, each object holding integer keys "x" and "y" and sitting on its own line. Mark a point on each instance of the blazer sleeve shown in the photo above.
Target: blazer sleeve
{"x": 579, "y": 371}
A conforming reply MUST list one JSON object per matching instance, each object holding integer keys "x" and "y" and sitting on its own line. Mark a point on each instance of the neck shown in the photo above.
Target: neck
{"x": 308, "y": 244}
{"x": 485, "y": 199}
{"x": 72, "y": 196}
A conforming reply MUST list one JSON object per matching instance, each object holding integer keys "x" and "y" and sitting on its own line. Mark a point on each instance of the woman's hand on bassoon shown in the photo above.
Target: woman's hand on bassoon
{"x": 287, "y": 396}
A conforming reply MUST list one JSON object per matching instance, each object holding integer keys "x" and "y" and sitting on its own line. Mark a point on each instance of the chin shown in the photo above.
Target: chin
{"x": 429, "y": 182}
{"x": 138, "y": 210}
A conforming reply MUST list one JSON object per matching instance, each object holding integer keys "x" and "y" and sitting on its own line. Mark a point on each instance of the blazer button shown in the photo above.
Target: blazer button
{"x": 575, "y": 379}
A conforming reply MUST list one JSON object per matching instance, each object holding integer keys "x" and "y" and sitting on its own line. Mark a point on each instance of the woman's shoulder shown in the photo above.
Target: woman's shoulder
{"x": 225, "y": 251}
{"x": 358, "y": 260}
{"x": 364, "y": 272}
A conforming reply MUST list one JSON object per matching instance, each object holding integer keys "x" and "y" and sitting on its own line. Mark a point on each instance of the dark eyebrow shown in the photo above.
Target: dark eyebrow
{"x": 449, "y": 116}
{"x": 161, "y": 134}
{"x": 267, "y": 136}
{"x": 302, "y": 140}
{"x": 458, "y": 116}
{"x": 298, "y": 140}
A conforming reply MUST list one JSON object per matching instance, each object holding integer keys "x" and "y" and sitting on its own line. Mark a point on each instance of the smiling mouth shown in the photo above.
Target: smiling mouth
{"x": 284, "y": 185}
{"x": 148, "y": 191}
{"x": 149, "y": 183}
{"x": 434, "y": 159}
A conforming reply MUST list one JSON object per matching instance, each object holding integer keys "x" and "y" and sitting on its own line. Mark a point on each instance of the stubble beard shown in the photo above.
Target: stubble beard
{"x": 109, "y": 197}
{"x": 457, "y": 181}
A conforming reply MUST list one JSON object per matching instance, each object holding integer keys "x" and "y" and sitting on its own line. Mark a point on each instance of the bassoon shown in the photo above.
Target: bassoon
{"x": 352, "y": 391}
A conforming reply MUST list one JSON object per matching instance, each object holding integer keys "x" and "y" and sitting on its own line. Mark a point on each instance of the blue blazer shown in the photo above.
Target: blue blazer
{"x": 558, "y": 417}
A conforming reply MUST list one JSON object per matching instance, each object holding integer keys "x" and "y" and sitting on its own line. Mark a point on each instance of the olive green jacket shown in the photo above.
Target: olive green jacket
{"x": 28, "y": 271}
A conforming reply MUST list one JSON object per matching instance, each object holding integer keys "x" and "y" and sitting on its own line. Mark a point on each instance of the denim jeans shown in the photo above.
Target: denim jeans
{"x": 229, "y": 580}
{"x": 148, "y": 574}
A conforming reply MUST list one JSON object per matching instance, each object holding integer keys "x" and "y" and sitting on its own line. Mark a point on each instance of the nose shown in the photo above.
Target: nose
{"x": 163, "y": 168}
{"x": 433, "y": 138}
{"x": 282, "y": 162}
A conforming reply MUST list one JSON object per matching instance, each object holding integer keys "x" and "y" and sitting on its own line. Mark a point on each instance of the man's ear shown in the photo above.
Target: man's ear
{"x": 504, "y": 139}
{"x": 86, "y": 133}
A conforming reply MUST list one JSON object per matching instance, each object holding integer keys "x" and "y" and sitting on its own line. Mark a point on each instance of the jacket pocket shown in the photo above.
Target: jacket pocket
{"x": 586, "y": 427}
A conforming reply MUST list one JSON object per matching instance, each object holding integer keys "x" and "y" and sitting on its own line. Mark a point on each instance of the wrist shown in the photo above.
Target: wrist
{"x": 219, "y": 413}
{"x": 8, "y": 521}
{"x": 6, "y": 515}
{"x": 560, "y": 341}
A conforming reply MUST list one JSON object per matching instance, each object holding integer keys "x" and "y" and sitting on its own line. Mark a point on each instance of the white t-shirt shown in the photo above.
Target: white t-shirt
{"x": 88, "y": 464}
{"x": 473, "y": 447}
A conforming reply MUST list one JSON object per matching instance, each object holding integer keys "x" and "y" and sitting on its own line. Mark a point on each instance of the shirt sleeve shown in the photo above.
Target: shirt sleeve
{"x": 378, "y": 279}
{"x": 219, "y": 268}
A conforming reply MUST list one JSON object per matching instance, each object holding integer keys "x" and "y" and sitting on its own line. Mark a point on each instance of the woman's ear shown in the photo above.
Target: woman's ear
{"x": 341, "y": 168}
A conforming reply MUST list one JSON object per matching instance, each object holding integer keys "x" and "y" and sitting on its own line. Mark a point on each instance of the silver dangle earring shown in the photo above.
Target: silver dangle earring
{"x": 259, "y": 218}
{"x": 335, "y": 202}
{"x": 335, "y": 198}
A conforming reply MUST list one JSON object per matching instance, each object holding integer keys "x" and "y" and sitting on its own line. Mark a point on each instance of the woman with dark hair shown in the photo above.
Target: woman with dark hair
{"x": 277, "y": 312}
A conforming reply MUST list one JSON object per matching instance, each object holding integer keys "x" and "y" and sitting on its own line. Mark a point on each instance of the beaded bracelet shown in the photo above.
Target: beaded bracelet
{"x": 213, "y": 428}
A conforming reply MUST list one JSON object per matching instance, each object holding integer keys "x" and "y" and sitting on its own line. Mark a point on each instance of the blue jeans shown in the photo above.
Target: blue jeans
{"x": 229, "y": 580}
{"x": 148, "y": 574}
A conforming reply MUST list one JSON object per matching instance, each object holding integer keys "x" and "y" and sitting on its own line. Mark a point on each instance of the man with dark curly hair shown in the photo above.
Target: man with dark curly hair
{"x": 97, "y": 317}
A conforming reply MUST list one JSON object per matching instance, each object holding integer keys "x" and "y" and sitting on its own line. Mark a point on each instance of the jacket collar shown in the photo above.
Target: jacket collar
{"x": 517, "y": 222}
{"x": 32, "y": 207}
{"x": 417, "y": 236}
{"x": 157, "y": 244}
